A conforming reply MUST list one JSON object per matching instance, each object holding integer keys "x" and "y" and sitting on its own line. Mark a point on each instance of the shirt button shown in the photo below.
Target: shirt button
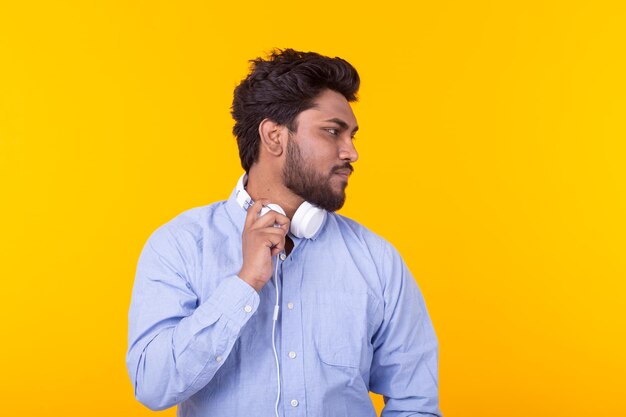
{"x": 292, "y": 355}
{"x": 294, "y": 403}
{"x": 282, "y": 256}
{"x": 218, "y": 359}
{"x": 290, "y": 306}
{"x": 247, "y": 309}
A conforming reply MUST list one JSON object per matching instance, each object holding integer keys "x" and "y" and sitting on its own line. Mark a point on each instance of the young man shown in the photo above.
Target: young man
{"x": 204, "y": 332}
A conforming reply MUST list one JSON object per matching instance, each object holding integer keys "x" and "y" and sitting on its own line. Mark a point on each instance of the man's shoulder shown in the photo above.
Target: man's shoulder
{"x": 354, "y": 232}
{"x": 351, "y": 229}
{"x": 188, "y": 224}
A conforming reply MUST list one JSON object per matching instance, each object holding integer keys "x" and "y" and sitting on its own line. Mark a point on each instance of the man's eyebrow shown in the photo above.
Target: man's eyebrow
{"x": 341, "y": 123}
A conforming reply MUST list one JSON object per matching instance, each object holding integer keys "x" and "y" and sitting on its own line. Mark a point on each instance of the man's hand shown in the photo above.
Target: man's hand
{"x": 260, "y": 241}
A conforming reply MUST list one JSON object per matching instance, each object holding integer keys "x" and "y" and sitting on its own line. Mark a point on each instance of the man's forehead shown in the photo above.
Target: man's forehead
{"x": 330, "y": 106}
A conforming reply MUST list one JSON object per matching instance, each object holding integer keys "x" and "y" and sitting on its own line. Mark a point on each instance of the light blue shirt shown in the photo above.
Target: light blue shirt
{"x": 352, "y": 319}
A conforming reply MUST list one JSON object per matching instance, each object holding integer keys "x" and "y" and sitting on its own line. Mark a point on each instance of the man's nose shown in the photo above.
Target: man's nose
{"x": 348, "y": 151}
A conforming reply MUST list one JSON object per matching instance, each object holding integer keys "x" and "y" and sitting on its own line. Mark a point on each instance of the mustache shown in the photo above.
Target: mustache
{"x": 344, "y": 167}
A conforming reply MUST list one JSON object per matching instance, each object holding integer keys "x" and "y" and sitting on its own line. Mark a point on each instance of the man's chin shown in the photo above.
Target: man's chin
{"x": 334, "y": 203}
{"x": 330, "y": 198}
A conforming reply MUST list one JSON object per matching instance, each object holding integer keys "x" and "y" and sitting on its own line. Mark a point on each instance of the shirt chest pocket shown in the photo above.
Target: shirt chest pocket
{"x": 343, "y": 326}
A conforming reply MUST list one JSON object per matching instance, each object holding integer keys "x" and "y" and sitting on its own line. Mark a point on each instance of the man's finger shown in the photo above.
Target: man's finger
{"x": 253, "y": 213}
{"x": 273, "y": 241}
{"x": 274, "y": 231}
{"x": 270, "y": 218}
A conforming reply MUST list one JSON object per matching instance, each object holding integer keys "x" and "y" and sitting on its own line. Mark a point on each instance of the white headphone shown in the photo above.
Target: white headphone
{"x": 305, "y": 222}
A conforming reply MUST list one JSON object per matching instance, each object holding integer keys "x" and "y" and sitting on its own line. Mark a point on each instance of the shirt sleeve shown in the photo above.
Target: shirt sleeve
{"x": 176, "y": 346}
{"x": 405, "y": 361}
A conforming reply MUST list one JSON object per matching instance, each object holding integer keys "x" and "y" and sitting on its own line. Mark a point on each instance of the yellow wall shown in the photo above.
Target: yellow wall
{"x": 491, "y": 154}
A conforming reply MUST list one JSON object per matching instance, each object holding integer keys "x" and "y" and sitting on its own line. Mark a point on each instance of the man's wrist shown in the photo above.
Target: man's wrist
{"x": 254, "y": 283}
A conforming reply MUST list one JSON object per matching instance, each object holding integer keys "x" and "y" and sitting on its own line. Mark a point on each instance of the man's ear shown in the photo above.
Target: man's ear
{"x": 273, "y": 136}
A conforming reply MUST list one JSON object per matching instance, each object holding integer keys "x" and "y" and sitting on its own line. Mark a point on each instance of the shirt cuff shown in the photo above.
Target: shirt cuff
{"x": 235, "y": 299}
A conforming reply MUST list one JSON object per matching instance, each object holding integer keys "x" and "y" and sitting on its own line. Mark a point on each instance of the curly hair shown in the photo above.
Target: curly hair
{"x": 281, "y": 87}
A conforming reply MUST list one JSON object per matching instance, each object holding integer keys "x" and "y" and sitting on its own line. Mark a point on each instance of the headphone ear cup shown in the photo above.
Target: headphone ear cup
{"x": 307, "y": 220}
{"x": 272, "y": 207}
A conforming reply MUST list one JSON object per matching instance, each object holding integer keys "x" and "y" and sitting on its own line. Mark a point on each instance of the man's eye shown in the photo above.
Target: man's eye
{"x": 333, "y": 131}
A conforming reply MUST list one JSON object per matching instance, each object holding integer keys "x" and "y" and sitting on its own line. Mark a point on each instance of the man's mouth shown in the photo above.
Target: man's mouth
{"x": 344, "y": 172}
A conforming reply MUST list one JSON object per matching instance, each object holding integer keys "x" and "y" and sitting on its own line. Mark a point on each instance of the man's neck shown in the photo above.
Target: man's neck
{"x": 265, "y": 185}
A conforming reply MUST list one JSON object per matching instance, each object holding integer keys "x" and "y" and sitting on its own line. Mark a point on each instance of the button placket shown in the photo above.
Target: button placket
{"x": 292, "y": 366}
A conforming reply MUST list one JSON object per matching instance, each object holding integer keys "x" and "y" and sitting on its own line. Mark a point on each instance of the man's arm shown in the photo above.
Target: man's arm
{"x": 175, "y": 345}
{"x": 405, "y": 363}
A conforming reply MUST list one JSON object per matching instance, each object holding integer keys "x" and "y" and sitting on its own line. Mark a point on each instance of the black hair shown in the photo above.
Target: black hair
{"x": 281, "y": 87}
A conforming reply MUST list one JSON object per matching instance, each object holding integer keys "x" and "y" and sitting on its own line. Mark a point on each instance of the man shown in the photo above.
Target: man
{"x": 204, "y": 332}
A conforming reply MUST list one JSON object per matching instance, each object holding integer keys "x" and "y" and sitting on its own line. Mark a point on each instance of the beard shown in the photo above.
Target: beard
{"x": 304, "y": 181}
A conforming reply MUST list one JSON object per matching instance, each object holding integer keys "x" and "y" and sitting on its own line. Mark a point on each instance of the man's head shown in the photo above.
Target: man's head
{"x": 295, "y": 105}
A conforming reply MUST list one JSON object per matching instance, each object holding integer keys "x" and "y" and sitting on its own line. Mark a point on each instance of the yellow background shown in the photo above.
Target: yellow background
{"x": 492, "y": 156}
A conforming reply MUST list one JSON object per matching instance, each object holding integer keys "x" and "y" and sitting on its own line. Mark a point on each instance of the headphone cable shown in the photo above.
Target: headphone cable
{"x": 274, "y": 319}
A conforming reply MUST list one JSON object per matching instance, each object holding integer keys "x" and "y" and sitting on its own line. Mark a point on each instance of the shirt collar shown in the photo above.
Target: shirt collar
{"x": 238, "y": 216}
